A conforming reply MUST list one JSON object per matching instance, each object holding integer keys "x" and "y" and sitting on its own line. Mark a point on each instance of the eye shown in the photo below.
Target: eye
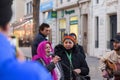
{"x": 70, "y": 42}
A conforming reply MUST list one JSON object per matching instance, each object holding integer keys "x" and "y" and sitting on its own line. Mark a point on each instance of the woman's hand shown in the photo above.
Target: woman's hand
{"x": 56, "y": 59}
{"x": 78, "y": 71}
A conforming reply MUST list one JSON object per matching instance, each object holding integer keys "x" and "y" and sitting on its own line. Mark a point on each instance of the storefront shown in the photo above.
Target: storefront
{"x": 23, "y": 31}
{"x": 74, "y": 25}
{"x": 68, "y": 22}
{"x": 62, "y": 27}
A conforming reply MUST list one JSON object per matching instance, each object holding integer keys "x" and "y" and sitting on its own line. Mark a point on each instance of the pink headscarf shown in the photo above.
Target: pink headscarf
{"x": 42, "y": 54}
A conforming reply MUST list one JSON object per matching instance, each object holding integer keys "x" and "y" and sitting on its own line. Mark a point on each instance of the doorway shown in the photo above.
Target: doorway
{"x": 113, "y": 28}
{"x": 85, "y": 32}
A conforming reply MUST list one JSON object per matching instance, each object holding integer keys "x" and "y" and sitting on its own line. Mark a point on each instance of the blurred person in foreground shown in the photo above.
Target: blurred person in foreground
{"x": 110, "y": 62}
{"x": 72, "y": 61}
{"x": 10, "y": 67}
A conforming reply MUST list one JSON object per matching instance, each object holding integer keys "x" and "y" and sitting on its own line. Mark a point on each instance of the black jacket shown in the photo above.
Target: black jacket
{"x": 51, "y": 66}
{"x": 39, "y": 38}
{"x": 81, "y": 50}
{"x": 78, "y": 61}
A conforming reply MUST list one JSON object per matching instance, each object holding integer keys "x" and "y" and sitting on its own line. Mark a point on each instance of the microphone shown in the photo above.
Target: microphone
{"x": 52, "y": 54}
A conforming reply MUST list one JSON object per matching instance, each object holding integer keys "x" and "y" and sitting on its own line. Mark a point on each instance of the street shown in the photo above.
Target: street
{"x": 93, "y": 64}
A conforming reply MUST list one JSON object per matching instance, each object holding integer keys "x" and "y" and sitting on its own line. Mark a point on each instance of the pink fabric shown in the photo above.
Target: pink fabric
{"x": 41, "y": 54}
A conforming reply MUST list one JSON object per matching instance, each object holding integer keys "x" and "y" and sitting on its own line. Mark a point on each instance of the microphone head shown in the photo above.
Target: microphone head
{"x": 52, "y": 54}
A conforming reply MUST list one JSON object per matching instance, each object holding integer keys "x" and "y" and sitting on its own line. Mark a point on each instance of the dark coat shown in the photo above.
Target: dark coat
{"x": 38, "y": 39}
{"x": 78, "y": 61}
{"x": 81, "y": 50}
{"x": 51, "y": 66}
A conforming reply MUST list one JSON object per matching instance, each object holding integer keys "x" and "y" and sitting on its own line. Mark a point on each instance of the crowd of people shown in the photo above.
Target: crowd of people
{"x": 66, "y": 61}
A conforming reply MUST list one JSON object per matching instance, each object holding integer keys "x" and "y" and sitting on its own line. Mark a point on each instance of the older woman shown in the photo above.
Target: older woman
{"x": 51, "y": 63}
{"x": 71, "y": 59}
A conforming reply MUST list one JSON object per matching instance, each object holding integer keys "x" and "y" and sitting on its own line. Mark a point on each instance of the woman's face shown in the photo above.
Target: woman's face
{"x": 47, "y": 49}
{"x": 116, "y": 46}
{"x": 68, "y": 44}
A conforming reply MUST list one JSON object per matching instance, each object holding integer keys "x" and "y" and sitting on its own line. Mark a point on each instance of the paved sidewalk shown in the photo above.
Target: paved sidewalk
{"x": 93, "y": 64}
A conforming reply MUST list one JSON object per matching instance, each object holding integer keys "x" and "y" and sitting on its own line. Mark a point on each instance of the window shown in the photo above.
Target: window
{"x": 31, "y": 10}
{"x": 61, "y": 1}
{"x": 97, "y": 1}
{"x": 74, "y": 25}
{"x": 68, "y": 0}
{"x": 29, "y": 7}
{"x": 97, "y": 32}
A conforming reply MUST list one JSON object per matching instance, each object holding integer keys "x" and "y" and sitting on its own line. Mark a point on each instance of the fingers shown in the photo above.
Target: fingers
{"x": 78, "y": 71}
{"x": 56, "y": 59}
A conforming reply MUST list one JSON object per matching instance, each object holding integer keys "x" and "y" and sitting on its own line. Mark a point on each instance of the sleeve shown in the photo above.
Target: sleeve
{"x": 102, "y": 60}
{"x": 49, "y": 67}
{"x": 84, "y": 67}
{"x": 58, "y": 50}
{"x": 14, "y": 70}
{"x": 82, "y": 51}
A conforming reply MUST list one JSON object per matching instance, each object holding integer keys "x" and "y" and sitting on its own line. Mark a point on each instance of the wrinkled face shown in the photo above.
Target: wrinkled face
{"x": 47, "y": 49}
{"x": 68, "y": 44}
{"x": 46, "y": 31}
{"x": 116, "y": 46}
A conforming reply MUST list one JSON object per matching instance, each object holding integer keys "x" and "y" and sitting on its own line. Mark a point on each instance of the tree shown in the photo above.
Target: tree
{"x": 36, "y": 5}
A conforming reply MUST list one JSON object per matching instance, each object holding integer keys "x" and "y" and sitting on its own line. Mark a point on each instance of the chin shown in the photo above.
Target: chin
{"x": 68, "y": 48}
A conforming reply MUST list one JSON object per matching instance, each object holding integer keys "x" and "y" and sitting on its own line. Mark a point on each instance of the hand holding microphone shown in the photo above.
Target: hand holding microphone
{"x": 55, "y": 58}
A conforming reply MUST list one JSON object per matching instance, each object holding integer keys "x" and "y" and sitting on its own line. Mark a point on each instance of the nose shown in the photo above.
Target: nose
{"x": 67, "y": 44}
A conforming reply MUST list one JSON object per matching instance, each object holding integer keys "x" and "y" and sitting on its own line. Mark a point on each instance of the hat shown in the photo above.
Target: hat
{"x": 5, "y": 12}
{"x": 69, "y": 37}
{"x": 116, "y": 38}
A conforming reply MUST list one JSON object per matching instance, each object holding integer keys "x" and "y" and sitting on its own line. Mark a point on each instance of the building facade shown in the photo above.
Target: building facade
{"x": 74, "y": 17}
{"x": 104, "y": 25}
{"x": 18, "y": 10}
{"x": 95, "y": 22}
{"x": 48, "y": 15}
{"x": 23, "y": 23}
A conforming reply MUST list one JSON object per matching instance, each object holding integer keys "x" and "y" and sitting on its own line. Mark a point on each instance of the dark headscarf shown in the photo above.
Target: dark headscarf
{"x": 5, "y": 12}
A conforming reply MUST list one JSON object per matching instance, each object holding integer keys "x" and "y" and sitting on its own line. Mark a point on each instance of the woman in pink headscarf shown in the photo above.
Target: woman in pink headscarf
{"x": 43, "y": 55}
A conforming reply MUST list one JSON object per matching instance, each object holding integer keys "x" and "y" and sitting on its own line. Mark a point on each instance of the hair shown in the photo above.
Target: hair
{"x": 69, "y": 37}
{"x": 6, "y": 13}
{"x": 43, "y": 26}
{"x": 73, "y": 34}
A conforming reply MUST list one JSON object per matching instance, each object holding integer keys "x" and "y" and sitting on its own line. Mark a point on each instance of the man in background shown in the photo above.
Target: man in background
{"x": 44, "y": 31}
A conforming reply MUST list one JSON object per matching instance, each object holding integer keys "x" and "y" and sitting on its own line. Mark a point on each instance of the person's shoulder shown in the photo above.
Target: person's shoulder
{"x": 80, "y": 46}
{"x": 39, "y": 35}
{"x": 59, "y": 46}
{"x": 107, "y": 55}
